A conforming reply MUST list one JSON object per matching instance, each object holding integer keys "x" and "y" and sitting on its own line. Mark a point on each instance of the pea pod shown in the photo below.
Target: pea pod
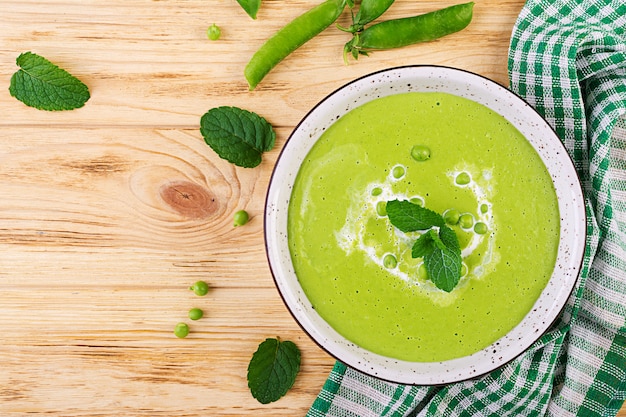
{"x": 369, "y": 10}
{"x": 291, "y": 37}
{"x": 401, "y": 32}
{"x": 251, "y": 7}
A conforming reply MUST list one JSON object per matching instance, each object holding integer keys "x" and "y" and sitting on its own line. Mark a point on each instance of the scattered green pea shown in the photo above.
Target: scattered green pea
{"x": 420, "y": 153}
{"x": 376, "y": 191}
{"x": 480, "y": 228}
{"x": 398, "y": 172}
{"x": 451, "y": 216}
{"x": 213, "y": 32}
{"x": 484, "y": 208}
{"x": 390, "y": 261}
{"x": 240, "y": 218}
{"x": 417, "y": 200}
{"x": 463, "y": 178}
{"x": 200, "y": 288}
{"x": 466, "y": 221}
{"x": 464, "y": 269}
{"x": 181, "y": 330}
{"x": 196, "y": 313}
{"x": 422, "y": 272}
{"x": 381, "y": 208}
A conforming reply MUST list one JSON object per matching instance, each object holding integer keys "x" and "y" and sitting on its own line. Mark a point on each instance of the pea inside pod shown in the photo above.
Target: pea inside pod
{"x": 369, "y": 10}
{"x": 396, "y": 33}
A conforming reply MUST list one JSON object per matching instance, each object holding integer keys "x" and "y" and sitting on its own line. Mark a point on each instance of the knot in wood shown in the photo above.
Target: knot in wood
{"x": 189, "y": 199}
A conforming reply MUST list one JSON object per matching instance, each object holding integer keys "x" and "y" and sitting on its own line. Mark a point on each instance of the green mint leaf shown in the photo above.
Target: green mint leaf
{"x": 424, "y": 244}
{"x": 441, "y": 250}
{"x": 444, "y": 268}
{"x": 42, "y": 85}
{"x": 410, "y": 217}
{"x": 251, "y": 7}
{"x": 273, "y": 369}
{"x": 449, "y": 238}
{"x": 236, "y": 135}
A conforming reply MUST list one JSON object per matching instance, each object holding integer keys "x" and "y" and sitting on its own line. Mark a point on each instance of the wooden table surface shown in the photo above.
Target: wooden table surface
{"x": 111, "y": 211}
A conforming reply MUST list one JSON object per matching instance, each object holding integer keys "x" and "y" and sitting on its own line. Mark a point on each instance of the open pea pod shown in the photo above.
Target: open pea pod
{"x": 369, "y": 10}
{"x": 251, "y": 7}
{"x": 406, "y": 31}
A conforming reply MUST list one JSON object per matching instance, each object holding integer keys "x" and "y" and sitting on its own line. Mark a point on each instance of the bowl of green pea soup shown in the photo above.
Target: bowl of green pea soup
{"x": 424, "y": 225}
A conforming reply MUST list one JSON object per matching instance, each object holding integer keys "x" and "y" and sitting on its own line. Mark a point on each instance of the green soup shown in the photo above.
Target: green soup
{"x": 356, "y": 268}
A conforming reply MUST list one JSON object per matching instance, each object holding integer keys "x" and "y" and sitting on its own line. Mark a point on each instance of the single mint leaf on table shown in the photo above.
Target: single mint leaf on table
{"x": 410, "y": 217}
{"x": 273, "y": 369}
{"x": 236, "y": 135}
{"x": 42, "y": 85}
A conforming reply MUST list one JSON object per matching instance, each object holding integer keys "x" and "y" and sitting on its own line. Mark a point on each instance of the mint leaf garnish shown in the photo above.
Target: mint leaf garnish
{"x": 438, "y": 246}
{"x": 425, "y": 244}
{"x": 42, "y": 85}
{"x": 236, "y": 135}
{"x": 444, "y": 268}
{"x": 273, "y": 369}
{"x": 409, "y": 217}
{"x": 449, "y": 238}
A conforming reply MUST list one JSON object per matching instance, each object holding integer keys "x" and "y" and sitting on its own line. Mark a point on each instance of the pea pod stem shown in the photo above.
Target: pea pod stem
{"x": 290, "y": 37}
{"x": 406, "y": 31}
{"x": 369, "y": 10}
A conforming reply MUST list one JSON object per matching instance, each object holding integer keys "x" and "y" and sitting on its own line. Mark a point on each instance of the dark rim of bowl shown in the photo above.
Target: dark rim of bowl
{"x": 271, "y": 181}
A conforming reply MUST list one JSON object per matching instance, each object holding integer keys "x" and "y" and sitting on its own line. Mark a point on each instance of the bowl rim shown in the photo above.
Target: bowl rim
{"x": 362, "y": 365}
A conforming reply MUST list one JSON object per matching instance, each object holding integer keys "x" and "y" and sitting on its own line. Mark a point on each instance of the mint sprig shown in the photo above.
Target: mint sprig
{"x": 273, "y": 369}
{"x": 438, "y": 246}
{"x": 236, "y": 135}
{"x": 42, "y": 85}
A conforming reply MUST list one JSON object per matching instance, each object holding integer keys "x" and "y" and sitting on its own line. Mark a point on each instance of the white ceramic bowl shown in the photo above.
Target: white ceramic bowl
{"x": 528, "y": 122}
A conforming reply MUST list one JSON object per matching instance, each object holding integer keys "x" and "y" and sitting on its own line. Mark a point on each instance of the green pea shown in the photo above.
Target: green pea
{"x": 396, "y": 33}
{"x": 464, "y": 269}
{"x": 290, "y": 37}
{"x": 195, "y": 313}
{"x": 422, "y": 272}
{"x": 390, "y": 261}
{"x": 181, "y": 330}
{"x": 200, "y": 288}
{"x": 398, "y": 172}
{"x": 381, "y": 208}
{"x": 463, "y": 178}
{"x": 451, "y": 216}
{"x": 240, "y": 218}
{"x": 417, "y": 201}
{"x": 213, "y": 32}
{"x": 376, "y": 191}
{"x": 484, "y": 208}
{"x": 480, "y": 228}
{"x": 420, "y": 153}
{"x": 466, "y": 221}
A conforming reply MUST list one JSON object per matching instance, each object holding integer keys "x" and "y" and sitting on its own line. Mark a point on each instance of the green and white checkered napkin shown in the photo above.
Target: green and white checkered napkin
{"x": 567, "y": 58}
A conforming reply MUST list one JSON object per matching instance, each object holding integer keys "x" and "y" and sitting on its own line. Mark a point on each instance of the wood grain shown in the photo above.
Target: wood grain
{"x": 111, "y": 211}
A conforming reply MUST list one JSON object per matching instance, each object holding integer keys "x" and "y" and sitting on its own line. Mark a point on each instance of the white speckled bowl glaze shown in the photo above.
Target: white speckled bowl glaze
{"x": 528, "y": 122}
